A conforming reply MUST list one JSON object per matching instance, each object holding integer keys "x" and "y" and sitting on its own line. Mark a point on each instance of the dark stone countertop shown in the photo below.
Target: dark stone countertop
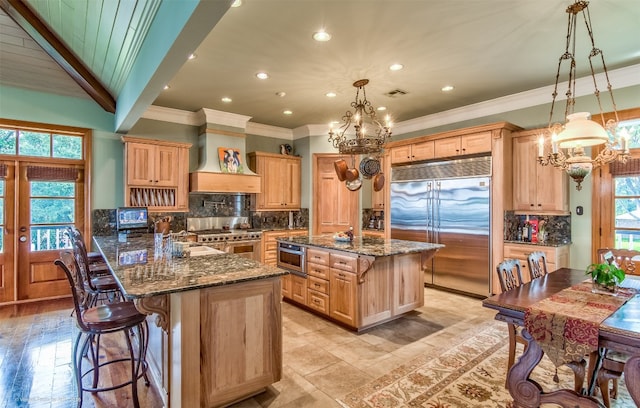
{"x": 369, "y": 246}
{"x": 162, "y": 274}
{"x": 542, "y": 244}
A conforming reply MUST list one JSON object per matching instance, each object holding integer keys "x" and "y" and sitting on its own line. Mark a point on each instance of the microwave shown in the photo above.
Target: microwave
{"x": 292, "y": 258}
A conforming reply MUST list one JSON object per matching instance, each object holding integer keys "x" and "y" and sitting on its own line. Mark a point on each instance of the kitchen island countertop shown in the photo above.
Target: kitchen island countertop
{"x": 370, "y": 246}
{"x": 158, "y": 274}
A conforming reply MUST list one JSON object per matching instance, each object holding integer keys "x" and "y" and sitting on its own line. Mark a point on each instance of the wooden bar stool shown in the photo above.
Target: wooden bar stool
{"x": 95, "y": 321}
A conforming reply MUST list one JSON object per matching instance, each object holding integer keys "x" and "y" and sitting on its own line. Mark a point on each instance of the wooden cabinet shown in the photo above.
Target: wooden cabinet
{"x": 413, "y": 152}
{"x": 286, "y": 286}
{"x": 463, "y": 145}
{"x": 318, "y": 280}
{"x": 156, "y": 174}
{"x": 536, "y": 188}
{"x": 557, "y": 257}
{"x": 299, "y": 289}
{"x": 343, "y": 283}
{"x": 280, "y": 188}
{"x": 269, "y": 245}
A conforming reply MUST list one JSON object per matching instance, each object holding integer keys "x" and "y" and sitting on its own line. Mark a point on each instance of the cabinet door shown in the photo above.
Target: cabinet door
{"x": 166, "y": 166}
{"x": 140, "y": 164}
{"x": 409, "y": 283}
{"x": 299, "y": 289}
{"x": 552, "y": 187}
{"x": 477, "y": 143}
{"x": 286, "y": 286}
{"x": 342, "y": 298}
{"x": 272, "y": 179}
{"x": 524, "y": 173}
{"x": 422, "y": 151}
{"x": 291, "y": 188}
{"x": 401, "y": 154}
{"x": 447, "y": 147}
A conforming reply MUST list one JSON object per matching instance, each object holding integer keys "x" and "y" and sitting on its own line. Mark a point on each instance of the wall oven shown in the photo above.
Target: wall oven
{"x": 292, "y": 258}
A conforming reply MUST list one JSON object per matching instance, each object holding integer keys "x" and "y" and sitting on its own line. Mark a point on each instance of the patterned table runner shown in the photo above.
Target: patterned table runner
{"x": 565, "y": 325}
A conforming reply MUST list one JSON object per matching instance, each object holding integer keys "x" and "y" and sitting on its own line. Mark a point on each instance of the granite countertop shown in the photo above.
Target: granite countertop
{"x": 162, "y": 274}
{"x": 370, "y": 246}
{"x": 545, "y": 244}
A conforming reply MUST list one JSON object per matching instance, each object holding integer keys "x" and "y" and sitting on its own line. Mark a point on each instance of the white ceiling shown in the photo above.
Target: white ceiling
{"x": 485, "y": 48}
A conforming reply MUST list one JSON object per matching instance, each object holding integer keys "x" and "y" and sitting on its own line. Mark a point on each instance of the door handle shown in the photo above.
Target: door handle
{"x": 23, "y": 238}
{"x": 23, "y": 229}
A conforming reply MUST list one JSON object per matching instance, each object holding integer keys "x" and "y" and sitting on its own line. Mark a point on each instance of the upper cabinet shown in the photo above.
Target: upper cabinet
{"x": 412, "y": 152}
{"x": 463, "y": 145}
{"x": 280, "y": 180}
{"x": 156, "y": 174}
{"x": 536, "y": 188}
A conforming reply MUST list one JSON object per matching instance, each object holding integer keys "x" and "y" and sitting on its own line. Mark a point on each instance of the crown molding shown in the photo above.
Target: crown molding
{"x": 223, "y": 118}
{"x": 269, "y": 131}
{"x": 172, "y": 115}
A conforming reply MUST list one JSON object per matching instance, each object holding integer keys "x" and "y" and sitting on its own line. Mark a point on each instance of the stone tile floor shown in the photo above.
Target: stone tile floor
{"x": 322, "y": 361}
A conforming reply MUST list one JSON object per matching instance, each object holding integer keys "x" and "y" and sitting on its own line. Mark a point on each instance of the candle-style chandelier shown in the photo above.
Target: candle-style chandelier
{"x": 363, "y": 112}
{"x": 568, "y": 141}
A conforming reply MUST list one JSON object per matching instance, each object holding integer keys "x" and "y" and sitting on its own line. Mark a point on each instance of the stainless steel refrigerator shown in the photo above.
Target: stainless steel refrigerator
{"x": 447, "y": 203}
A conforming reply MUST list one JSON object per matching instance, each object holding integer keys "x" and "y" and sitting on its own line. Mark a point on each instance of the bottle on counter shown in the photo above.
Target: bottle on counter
{"x": 525, "y": 232}
{"x": 519, "y": 234}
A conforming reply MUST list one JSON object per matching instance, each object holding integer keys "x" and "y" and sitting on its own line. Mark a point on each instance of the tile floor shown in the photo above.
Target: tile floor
{"x": 322, "y": 361}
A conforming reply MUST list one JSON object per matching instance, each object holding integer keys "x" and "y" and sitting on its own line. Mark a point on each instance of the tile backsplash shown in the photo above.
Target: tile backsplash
{"x": 556, "y": 227}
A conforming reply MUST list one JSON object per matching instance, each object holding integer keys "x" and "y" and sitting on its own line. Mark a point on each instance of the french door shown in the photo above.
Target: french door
{"x": 39, "y": 198}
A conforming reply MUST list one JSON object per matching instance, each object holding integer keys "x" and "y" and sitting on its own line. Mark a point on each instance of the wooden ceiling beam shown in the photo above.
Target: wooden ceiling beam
{"x": 49, "y": 41}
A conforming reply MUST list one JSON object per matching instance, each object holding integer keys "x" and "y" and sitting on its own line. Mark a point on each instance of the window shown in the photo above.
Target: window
{"x": 40, "y": 144}
{"x": 52, "y": 210}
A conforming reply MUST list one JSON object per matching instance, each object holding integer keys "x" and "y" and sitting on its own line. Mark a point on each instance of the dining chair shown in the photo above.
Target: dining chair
{"x": 537, "y": 261}
{"x": 613, "y": 362}
{"x": 510, "y": 277}
{"x": 93, "y": 322}
{"x": 626, "y": 259}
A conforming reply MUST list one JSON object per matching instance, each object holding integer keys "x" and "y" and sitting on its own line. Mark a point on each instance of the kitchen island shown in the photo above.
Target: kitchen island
{"x": 359, "y": 283}
{"x": 217, "y": 336}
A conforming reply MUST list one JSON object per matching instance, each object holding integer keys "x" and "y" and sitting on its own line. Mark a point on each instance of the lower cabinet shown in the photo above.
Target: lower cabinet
{"x": 557, "y": 257}
{"x": 358, "y": 291}
{"x": 286, "y": 286}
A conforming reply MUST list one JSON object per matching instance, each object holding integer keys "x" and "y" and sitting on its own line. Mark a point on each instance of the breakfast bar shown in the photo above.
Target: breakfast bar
{"x": 357, "y": 283}
{"x": 217, "y": 336}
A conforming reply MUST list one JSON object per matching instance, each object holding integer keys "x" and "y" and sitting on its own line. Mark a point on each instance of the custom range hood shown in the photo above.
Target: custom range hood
{"x": 209, "y": 177}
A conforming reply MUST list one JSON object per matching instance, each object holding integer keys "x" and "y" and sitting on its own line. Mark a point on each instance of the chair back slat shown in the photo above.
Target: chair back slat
{"x": 509, "y": 274}
{"x": 537, "y": 261}
{"x": 626, "y": 259}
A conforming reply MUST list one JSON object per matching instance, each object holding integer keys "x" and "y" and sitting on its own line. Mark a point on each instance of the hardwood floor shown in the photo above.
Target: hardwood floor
{"x": 322, "y": 361}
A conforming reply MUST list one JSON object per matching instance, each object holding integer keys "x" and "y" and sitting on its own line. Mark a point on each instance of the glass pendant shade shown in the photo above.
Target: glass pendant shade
{"x": 581, "y": 131}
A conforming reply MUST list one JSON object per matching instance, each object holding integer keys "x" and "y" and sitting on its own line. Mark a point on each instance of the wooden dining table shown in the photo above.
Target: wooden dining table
{"x": 619, "y": 332}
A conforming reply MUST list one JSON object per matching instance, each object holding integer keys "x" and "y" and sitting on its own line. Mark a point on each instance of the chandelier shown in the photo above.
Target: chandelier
{"x": 568, "y": 141}
{"x": 363, "y": 112}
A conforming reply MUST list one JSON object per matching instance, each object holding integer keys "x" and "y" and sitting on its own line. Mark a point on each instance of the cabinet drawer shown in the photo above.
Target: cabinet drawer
{"x": 319, "y": 271}
{"x": 318, "y": 301}
{"x": 344, "y": 263}
{"x": 319, "y": 285}
{"x": 317, "y": 257}
{"x": 522, "y": 251}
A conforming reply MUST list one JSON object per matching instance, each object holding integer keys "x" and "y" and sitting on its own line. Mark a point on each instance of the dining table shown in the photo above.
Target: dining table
{"x": 618, "y": 331}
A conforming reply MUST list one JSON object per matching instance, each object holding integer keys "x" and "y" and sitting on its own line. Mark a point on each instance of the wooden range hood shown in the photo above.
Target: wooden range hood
{"x": 210, "y": 182}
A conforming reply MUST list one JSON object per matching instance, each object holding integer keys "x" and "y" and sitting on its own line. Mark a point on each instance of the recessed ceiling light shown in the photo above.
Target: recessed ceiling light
{"x": 281, "y": 94}
{"x": 396, "y": 67}
{"x": 262, "y": 75}
{"x": 331, "y": 94}
{"x": 166, "y": 87}
{"x": 321, "y": 36}
{"x": 287, "y": 112}
{"x": 236, "y": 3}
{"x": 447, "y": 88}
{"x": 192, "y": 56}
{"x": 382, "y": 108}
{"x": 226, "y": 99}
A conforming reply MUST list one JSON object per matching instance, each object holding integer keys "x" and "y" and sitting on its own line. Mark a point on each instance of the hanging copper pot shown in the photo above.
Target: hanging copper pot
{"x": 352, "y": 174}
{"x": 341, "y": 169}
{"x": 378, "y": 182}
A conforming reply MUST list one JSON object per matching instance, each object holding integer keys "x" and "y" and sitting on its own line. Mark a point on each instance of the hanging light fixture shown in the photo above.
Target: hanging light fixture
{"x": 363, "y": 112}
{"x": 568, "y": 141}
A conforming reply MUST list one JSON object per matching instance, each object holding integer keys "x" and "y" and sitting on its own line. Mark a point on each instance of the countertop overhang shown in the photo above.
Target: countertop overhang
{"x": 158, "y": 274}
{"x": 368, "y": 246}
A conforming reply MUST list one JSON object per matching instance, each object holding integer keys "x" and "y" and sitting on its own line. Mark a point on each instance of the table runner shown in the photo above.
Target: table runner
{"x": 566, "y": 324}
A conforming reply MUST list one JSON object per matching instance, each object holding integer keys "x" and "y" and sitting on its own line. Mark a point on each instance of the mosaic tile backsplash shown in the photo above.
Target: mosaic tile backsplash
{"x": 557, "y": 227}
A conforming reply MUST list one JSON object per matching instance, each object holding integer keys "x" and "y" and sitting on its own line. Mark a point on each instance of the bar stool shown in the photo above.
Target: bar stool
{"x": 97, "y": 263}
{"x": 98, "y": 320}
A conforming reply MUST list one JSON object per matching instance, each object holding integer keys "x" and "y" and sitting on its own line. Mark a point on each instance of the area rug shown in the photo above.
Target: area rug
{"x": 468, "y": 372}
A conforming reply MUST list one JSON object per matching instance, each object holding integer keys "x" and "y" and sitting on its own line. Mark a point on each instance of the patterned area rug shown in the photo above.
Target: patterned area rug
{"x": 470, "y": 372}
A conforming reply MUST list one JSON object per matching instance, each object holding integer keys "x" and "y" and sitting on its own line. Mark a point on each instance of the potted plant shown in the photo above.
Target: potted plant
{"x": 605, "y": 276}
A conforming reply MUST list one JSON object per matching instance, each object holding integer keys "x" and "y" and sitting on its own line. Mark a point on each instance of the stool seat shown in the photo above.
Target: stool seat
{"x": 112, "y": 316}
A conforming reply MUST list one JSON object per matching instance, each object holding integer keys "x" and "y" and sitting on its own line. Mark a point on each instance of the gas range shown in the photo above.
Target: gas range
{"x": 222, "y": 229}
